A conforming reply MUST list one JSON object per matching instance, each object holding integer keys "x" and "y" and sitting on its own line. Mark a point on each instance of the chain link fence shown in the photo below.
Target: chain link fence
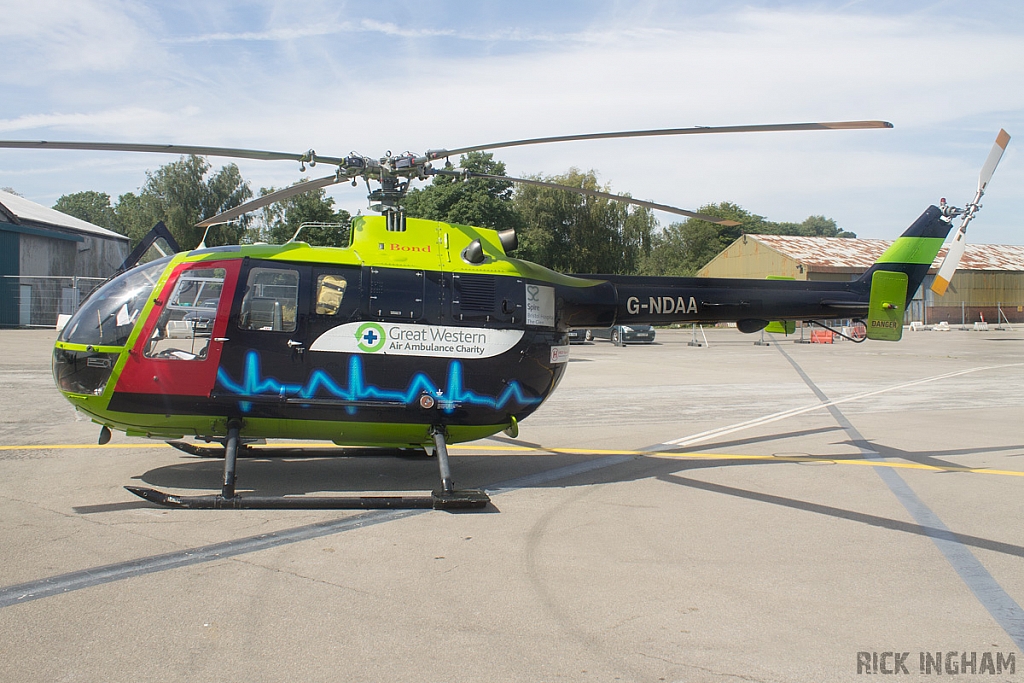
{"x": 37, "y": 300}
{"x": 1002, "y": 313}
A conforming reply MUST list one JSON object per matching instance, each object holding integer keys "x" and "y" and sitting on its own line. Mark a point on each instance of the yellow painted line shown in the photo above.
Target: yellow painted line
{"x": 81, "y": 446}
{"x": 840, "y": 461}
{"x": 481, "y": 451}
{"x": 810, "y": 458}
{"x": 509, "y": 449}
{"x": 525, "y": 450}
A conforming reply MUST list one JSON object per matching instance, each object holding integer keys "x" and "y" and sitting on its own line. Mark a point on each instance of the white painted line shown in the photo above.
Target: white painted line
{"x": 793, "y": 412}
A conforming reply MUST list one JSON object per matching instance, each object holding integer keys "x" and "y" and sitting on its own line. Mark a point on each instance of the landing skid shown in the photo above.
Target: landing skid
{"x": 436, "y": 500}
{"x": 446, "y": 498}
{"x": 246, "y": 451}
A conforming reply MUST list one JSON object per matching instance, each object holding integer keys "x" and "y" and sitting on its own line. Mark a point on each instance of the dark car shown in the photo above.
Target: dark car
{"x": 579, "y": 336}
{"x": 625, "y": 334}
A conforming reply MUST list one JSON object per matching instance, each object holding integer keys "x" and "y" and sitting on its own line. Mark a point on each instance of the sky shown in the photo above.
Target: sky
{"x": 338, "y": 77}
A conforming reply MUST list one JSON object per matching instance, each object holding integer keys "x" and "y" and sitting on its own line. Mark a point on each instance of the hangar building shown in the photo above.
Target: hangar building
{"x": 49, "y": 261}
{"x": 988, "y": 284}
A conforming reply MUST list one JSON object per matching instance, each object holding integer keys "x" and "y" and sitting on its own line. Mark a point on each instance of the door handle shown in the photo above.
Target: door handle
{"x": 296, "y": 346}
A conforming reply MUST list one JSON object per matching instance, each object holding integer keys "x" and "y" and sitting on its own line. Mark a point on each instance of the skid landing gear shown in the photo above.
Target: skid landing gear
{"x": 445, "y": 498}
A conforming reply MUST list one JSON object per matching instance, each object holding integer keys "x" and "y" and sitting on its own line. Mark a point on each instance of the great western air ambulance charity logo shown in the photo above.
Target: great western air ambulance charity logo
{"x": 371, "y": 337}
{"x": 410, "y": 339}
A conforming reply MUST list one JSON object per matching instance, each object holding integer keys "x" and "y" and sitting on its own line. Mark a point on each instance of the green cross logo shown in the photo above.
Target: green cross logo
{"x": 371, "y": 337}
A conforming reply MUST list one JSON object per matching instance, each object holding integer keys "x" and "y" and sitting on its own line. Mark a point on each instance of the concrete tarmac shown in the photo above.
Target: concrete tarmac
{"x": 733, "y": 512}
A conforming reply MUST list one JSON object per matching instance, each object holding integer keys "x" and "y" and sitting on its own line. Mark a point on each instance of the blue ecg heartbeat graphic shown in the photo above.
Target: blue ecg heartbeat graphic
{"x": 253, "y": 384}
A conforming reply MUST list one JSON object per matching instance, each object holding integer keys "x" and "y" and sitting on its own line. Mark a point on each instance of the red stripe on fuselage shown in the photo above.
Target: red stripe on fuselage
{"x": 142, "y": 375}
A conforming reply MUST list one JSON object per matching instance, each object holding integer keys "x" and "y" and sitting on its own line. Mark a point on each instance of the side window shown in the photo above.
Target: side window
{"x": 183, "y": 330}
{"x": 271, "y": 300}
{"x": 330, "y": 290}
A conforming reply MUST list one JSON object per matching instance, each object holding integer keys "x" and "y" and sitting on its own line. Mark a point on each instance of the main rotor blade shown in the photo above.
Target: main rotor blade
{"x": 260, "y": 202}
{"x": 169, "y": 149}
{"x": 606, "y": 195}
{"x": 433, "y": 154}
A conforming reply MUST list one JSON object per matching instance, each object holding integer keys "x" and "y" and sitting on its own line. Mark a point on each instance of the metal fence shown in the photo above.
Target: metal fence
{"x": 965, "y": 315}
{"x": 37, "y": 300}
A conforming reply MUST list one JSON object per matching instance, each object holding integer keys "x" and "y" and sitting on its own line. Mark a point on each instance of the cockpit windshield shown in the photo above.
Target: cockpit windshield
{"x": 107, "y": 317}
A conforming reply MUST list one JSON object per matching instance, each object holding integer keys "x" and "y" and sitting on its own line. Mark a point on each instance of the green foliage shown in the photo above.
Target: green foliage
{"x": 180, "y": 194}
{"x": 558, "y": 229}
{"x": 578, "y": 233}
{"x": 93, "y": 207}
{"x": 813, "y": 226}
{"x": 684, "y": 248}
{"x": 134, "y": 217}
{"x": 477, "y": 201}
{"x": 282, "y": 219}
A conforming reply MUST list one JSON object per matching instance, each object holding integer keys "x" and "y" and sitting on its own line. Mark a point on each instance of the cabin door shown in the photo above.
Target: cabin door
{"x": 267, "y": 337}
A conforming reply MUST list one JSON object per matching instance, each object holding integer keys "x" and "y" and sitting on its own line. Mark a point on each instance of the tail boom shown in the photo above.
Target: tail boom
{"x": 752, "y": 303}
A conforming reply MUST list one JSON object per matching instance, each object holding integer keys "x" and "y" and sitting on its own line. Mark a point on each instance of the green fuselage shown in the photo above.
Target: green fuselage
{"x": 378, "y": 342}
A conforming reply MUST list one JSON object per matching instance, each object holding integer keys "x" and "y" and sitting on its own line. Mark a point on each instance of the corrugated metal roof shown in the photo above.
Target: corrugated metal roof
{"x": 24, "y": 210}
{"x": 834, "y": 253}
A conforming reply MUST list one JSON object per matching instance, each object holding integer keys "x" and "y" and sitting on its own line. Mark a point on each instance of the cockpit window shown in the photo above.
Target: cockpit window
{"x": 185, "y": 326}
{"x": 107, "y": 317}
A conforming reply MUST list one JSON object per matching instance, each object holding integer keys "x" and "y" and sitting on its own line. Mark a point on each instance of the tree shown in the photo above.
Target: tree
{"x": 135, "y": 216}
{"x": 477, "y": 201}
{"x": 813, "y": 226}
{"x": 282, "y": 219}
{"x": 93, "y": 207}
{"x": 578, "y": 233}
{"x": 684, "y": 248}
{"x": 180, "y": 195}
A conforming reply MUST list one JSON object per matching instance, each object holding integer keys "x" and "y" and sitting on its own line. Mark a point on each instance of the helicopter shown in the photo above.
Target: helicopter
{"x": 416, "y": 334}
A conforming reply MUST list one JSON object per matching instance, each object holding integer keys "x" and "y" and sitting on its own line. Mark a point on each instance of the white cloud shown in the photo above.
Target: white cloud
{"x": 114, "y": 122}
{"x": 292, "y": 77}
{"x": 81, "y": 36}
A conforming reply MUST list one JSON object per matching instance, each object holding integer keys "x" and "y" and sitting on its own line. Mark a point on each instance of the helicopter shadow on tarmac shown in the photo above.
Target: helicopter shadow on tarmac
{"x": 286, "y": 473}
{"x": 292, "y": 472}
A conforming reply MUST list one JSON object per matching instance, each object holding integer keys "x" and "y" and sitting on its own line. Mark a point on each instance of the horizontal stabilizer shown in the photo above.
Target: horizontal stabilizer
{"x": 781, "y": 327}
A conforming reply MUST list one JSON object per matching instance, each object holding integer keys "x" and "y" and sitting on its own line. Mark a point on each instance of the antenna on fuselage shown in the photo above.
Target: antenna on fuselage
{"x": 202, "y": 242}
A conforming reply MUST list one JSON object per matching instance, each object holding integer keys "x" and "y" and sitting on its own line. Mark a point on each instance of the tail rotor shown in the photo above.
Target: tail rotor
{"x": 959, "y": 243}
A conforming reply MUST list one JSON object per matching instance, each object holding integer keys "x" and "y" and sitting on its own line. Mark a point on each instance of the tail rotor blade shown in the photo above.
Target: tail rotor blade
{"x": 959, "y": 243}
{"x": 993, "y": 159}
{"x": 950, "y": 263}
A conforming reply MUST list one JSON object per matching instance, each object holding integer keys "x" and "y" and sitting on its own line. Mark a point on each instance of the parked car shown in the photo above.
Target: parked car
{"x": 625, "y": 334}
{"x": 580, "y": 336}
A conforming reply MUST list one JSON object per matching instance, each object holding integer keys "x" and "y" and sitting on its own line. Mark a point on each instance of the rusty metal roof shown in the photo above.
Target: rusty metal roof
{"x": 838, "y": 254}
